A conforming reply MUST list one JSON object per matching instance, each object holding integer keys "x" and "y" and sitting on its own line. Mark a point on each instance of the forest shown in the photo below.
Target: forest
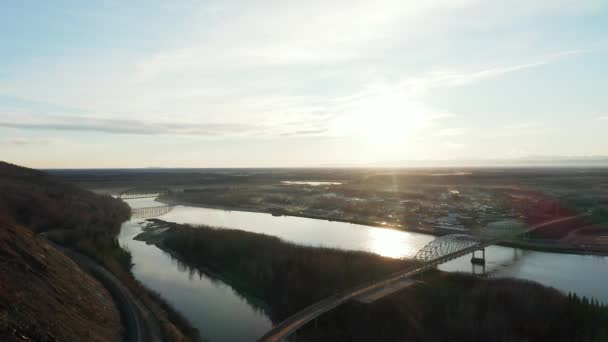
{"x": 65, "y": 213}
{"x": 462, "y": 307}
{"x": 285, "y": 276}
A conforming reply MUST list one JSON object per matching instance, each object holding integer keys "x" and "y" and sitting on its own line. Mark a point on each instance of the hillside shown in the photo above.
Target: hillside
{"x": 39, "y": 206}
{"x": 43, "y": 202}
{"x": 44, "y": 296}
{"x": 66, "y": 213}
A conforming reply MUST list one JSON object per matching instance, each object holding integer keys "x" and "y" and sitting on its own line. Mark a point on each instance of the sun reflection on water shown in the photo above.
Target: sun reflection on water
{"x": 391, "y": 243}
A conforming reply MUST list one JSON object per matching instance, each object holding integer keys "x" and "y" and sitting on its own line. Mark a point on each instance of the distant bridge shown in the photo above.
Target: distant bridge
{"x": 134, "y": 193}
{"x": 436, "y": 252}
{"x": 150, "y": 212}
{"x": 453, "y": 245}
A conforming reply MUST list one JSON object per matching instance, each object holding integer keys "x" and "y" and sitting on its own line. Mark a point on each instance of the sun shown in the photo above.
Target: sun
{"x": 383, "y": 120}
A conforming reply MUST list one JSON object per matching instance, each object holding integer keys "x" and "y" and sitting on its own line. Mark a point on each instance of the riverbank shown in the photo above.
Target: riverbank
{"x": 557, "y": 247}
{"x": 542, "y": 246}
{"x": 288, "y": 277}
{"x": 150, "y": 235}
{"x": 204, "y": 299}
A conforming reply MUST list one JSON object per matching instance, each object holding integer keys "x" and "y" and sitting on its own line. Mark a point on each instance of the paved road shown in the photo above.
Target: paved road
{"x": 136, "y": 319}
{"x": 299, "y": 319}
{"x": 293, "y": 323}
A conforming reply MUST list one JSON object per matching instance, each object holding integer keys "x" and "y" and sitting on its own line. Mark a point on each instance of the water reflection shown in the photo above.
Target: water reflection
{"x": 195, "y": 274}
{"x": 218, "y": 311}
{"x": 585, "y": 275}
{"x": 307, "y": 231}
{"x": 391, "y": 243}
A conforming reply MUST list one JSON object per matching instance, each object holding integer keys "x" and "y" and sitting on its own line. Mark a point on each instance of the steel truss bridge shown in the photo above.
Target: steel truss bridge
{"x": 436, "y": 252}
{"x": 456, "y": 245}
{"x": 150, "y": 212}
{"x": 147, "y": 212}
{"x": 142, "y": 193}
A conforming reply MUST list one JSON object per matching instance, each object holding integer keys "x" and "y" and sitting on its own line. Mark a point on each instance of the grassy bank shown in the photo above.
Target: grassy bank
{"x": 447, "y": 307}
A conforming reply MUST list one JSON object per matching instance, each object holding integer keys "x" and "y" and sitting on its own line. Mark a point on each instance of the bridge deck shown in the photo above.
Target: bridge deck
{"x": 396, "y": 286}
{"x": 150, "y": 212}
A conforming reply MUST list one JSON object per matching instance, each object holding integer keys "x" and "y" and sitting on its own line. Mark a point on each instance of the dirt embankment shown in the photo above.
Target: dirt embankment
{"x": 44, "y": 296}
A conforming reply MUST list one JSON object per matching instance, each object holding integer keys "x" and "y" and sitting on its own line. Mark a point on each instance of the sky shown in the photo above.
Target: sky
{"x": 87, "y": 84}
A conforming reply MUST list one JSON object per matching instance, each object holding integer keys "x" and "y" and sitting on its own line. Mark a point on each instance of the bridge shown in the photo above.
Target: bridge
{"x": 150, "y": 212}
{"x": 135, "y": 193}
{"x": 436, "y": 252}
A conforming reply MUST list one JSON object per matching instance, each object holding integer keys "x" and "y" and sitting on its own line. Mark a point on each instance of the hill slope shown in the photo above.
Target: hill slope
{"x": 59, "y": 304}
{"x": 70, "y": 215}
{"x": 44, "y": 296}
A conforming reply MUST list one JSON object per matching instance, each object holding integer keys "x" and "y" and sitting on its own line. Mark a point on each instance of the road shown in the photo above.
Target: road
{"x": 299, "y": 319}
{"x": 293, "y": 323}
{"x": 136, "y": 319}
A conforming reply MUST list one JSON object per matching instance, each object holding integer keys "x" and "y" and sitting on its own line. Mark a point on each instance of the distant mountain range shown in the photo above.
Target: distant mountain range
{"x": 529, "y": 161}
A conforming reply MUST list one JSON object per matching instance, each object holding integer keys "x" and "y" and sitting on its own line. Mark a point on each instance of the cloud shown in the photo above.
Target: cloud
{"x": 603, "y": 118}
{"x": 280, "y": 34}
{"x": 241, "y": 35}
{"x": 450, "y": 145}
{"x": 139, "y": 127}
{"x": 453, "y": 78}
{"x": 305, "y": 132}
{"x": 517, "y": 129}
{"x": 287, "y": 115}
{"x": 25, "y": 141}
{"x": 231, "y": 54}
{"x": 450, "y": 132}
{"x": 126, "y": 126}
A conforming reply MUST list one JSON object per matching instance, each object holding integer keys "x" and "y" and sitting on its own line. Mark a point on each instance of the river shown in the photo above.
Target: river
{"x": 222, "y": 314}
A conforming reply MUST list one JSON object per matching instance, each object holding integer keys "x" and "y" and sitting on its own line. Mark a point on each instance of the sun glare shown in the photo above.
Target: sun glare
{"x": 385, "y": 119}
{"x": 390, "y": 243}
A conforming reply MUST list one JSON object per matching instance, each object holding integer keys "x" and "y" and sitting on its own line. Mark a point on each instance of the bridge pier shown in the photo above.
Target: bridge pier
{"x": 480, "y": 261}
{"x": 477, "y": 260}
{"x": 474, "y": 269}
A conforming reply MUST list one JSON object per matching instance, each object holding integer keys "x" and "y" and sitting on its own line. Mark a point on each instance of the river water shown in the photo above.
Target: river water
{"x": 222, "y": 314}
